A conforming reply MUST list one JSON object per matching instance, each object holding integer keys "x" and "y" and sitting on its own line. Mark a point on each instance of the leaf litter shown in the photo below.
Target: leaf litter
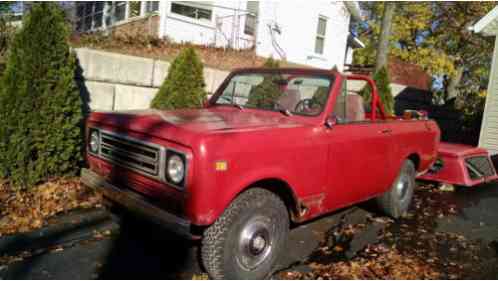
{"x": 25, "y": 210}
{"x": 409, "y": 248}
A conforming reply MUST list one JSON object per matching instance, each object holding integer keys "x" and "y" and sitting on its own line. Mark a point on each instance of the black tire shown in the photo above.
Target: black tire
{"x": 397, "y": 199}
{"x": 247, "y": 238}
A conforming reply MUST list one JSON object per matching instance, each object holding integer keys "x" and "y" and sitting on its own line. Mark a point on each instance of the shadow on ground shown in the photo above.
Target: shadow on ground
{"x": 143, "y": 250}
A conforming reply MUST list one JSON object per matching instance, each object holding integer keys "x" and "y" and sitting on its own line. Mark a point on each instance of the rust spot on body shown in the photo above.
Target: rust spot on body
{"x": 310, "y": 206}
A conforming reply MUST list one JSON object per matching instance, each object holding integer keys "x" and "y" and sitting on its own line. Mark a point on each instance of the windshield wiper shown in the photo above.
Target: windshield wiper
{"x": 231, "y": 104}
{"x": 283, "y": 110}
{"x": 237, "y": 106}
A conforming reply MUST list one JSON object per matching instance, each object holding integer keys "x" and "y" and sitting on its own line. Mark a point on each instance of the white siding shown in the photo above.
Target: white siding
{"x": 298, "y": 23}
{"x": 225, "y": 29}
{"x": 489, "y": 129}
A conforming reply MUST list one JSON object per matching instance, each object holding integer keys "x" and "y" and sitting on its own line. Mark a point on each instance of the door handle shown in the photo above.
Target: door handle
{"x": 386, "y": 131}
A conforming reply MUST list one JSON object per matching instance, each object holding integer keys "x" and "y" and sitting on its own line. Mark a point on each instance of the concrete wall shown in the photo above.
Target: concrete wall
{"x": 119, "y": 82}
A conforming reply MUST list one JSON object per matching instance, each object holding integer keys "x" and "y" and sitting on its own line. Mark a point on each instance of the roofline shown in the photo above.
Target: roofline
{"x": 354, "y": 9}
{"x": 479, "y": 26}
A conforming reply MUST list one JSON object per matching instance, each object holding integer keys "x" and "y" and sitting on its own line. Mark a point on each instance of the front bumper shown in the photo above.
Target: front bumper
{"x": 138, "y": 204}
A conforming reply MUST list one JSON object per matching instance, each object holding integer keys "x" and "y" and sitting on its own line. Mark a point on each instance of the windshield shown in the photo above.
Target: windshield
{"x": 294, "y": 94}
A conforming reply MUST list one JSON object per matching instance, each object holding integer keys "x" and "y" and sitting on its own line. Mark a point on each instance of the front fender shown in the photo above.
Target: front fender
{"x": 222, "y": 200}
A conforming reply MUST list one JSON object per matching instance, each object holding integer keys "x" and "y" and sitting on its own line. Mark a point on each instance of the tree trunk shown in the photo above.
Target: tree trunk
{"x": 385, "y": 32}
{"x": 454, "y": 81}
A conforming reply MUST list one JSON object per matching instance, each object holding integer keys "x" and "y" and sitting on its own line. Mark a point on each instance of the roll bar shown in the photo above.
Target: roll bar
{"x": 376, "y": 103}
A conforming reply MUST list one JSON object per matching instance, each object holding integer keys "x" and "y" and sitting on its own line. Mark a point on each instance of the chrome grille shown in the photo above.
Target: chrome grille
{"x": 130, "y": 153}
{"x": 479, "y": 166}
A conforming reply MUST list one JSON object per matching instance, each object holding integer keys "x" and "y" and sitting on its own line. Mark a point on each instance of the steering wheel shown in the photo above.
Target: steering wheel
{"x": 306, "y": 105}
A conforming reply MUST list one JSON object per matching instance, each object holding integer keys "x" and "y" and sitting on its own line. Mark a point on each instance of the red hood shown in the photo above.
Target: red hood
{"x": 177, "y": 125}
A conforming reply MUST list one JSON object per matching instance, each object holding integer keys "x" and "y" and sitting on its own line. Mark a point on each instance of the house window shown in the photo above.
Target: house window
{"x": 119, "y": 11}
{"x": 98, "y": 14}
{"x": 89, "y": 15}
{"x": 320, "y": 35}
{"x": 151, "y": 6}
{"x": 195, "y": 10}
{"x": 250, "y": 24}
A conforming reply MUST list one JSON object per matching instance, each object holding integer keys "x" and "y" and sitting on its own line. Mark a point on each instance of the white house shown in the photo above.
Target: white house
{"x": 314, "y": 33}
{"x": 488, "y": 26}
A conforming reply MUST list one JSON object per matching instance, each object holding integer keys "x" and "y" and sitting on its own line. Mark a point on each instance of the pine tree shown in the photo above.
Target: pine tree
{"x": 271, "y": 63}
{"x": 265, "y": 94}
{"x": 383, "y": 84}
{"x": 184, "y": 85}
{"x": 40, "y": 105}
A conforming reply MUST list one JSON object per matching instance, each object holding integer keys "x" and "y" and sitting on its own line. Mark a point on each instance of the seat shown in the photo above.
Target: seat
{"x": 355, "y": 110}
{"x": 289, "y": 99}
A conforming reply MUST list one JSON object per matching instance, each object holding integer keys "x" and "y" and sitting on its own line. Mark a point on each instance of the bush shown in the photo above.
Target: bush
{"x": 184, "y": 86}
{"x": 383, "y": 84}
{"x": 40, "y": 105}
{"x": 271, "y": 63}
{"x": 264, "y": 94}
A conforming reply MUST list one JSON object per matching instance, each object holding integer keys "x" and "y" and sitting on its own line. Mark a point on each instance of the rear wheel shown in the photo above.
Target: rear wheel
{"x": 247, "y": 238}
{"x": 395, "y": 202}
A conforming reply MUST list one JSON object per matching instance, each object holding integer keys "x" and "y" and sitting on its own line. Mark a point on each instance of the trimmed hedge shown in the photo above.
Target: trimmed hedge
{"x": 184, "y": 86}
{"x": 265, "y": 94}
{"x": 40, "y": 105}
{"x": 383, "y": 84}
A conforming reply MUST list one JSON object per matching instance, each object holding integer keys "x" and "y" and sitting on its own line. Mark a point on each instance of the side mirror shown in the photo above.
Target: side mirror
{"x": 331, "y": 121}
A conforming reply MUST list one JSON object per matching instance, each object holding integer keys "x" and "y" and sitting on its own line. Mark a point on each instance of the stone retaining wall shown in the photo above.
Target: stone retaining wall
{"x": 118, "y": 82}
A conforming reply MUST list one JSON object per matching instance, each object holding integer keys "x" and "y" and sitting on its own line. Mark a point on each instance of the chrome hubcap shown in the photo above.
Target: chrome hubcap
{"x": 258, "y": 244}
{"x": 255, "y": 242}
{"x": 402, "y": 187}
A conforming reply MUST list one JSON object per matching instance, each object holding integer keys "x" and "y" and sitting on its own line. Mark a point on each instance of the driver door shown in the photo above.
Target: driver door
{"x": 359, "y": 153}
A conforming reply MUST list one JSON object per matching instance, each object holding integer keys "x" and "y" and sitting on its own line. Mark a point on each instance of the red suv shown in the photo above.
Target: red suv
{"x": 271, "y": 148}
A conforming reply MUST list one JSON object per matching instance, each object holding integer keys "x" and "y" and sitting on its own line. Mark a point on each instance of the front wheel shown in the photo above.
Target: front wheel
{"x": 395, "y": 201}
{"x": 247, "y": 238}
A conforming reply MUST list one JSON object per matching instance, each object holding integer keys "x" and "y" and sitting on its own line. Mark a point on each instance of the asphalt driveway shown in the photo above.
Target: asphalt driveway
{"x": 137, "y": 249}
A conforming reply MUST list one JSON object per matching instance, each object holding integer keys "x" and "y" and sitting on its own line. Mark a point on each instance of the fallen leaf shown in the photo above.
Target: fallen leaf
{"x": 338, "y": 248}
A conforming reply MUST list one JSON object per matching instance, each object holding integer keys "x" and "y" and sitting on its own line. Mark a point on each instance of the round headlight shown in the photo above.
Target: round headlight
{"x": 176, "y": 169}
{"x": 94, "y": 142}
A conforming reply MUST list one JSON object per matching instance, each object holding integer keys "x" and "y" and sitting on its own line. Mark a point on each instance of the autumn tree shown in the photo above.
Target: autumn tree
{"x": 470, "y": 53}
{"x": 409, "y": 40}
{"x": 433, "y": 35}
{"x": 184, "y": 85}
